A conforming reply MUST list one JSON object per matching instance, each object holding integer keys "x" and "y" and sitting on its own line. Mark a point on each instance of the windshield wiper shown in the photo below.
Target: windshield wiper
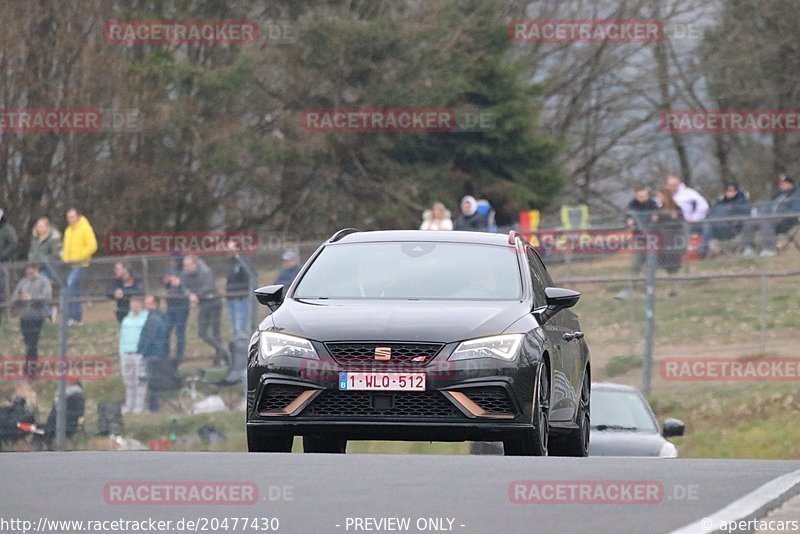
{"x": 615, "y": 427}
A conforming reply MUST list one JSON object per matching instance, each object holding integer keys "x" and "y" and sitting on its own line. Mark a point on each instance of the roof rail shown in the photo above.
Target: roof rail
{"x": 341, "y": 233}
{"x": 512, "y": 237}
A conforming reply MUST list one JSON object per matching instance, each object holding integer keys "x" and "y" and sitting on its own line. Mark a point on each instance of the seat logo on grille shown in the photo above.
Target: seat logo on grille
{"x": 383, "y": 353}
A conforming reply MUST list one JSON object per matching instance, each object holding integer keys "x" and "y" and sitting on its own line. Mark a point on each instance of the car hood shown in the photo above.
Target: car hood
{"x": 370, "y": 320}
{"x": 622, "y": 443}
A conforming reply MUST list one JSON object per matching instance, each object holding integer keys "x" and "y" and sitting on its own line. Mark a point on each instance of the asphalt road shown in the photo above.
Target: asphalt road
{"x": 318, "y": 493}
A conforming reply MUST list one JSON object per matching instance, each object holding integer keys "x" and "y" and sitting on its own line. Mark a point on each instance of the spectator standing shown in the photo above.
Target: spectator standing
{"x": 290, "y": 270}
{"x": 8, "y": 246}
{"x": 177, "y": 297}
{"x": 123, "y": 287}
{"x": 732, "y": 203}
{"x": 199, "y": 281}
{"x": 639, "y": 216}
{"x": 32, "y": 297}
{"x": 785, "y": 200}
{"x": 470, "y": 220}
{"x": 134, "y": 375}
{"x": 241, "y": 276}
{"x": 671, "y": 228}
{"x": 438, "y": 218}
{"x": 80, "y": 244}
{"x": 45, "y": 246}
{"x": 153, "y": 345}
{"x": 44, "y": 250}
{"x": 694, "y": 206}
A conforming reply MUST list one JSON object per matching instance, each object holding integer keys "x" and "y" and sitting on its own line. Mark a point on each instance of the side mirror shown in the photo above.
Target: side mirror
{"x": 673, "y": 427}
{"x": 270, "y": 296}
{"x": 558, "y": 298}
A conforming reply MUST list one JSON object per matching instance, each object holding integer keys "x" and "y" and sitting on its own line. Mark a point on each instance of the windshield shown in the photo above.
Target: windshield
{"x": 413, "y": 270}
{"x": 620, "y": 410}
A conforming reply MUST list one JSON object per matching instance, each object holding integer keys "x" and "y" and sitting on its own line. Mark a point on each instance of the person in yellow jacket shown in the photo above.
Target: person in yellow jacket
{"x": 79, "y": 246}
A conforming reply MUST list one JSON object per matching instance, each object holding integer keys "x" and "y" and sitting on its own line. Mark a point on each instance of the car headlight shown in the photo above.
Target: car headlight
{"x": 274, "y": 344}
{"x": 503, "y": 347}
{"x": 668, "y": 450}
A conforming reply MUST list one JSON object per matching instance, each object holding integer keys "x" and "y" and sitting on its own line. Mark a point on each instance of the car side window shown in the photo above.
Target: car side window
{"x": 538, "y": 278}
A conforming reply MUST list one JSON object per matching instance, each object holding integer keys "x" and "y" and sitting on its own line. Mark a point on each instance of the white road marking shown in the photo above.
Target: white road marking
{"x": 752, "y": 506}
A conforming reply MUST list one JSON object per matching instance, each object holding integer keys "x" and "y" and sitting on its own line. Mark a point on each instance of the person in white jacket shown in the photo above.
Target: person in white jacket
{"x": 693, "y": 205}
{"x": 436, "y": 218}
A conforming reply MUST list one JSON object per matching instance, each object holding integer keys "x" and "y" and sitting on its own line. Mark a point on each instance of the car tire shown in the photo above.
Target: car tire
{"x": 576, "y": 442}
{"x": 317, "y": 444}
{"x": 257, "y": 441}
{"x": 534, "y": 442}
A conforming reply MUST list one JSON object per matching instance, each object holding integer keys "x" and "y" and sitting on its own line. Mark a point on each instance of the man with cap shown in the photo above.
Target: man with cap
{"x": 734, "y": 202}
{"x": 8, "y": 246}
{"x": 291, "y": 268}
{"x": 470, "y": 220}
{"x": 786, "y": 200}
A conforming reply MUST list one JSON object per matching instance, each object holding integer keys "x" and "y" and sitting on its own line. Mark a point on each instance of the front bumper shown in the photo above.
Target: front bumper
{"x": 482, "y": 399}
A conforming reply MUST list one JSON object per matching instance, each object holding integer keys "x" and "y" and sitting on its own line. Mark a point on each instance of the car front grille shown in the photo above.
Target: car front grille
{"x": 493, "y": 399}
{"x": 427, "y": 404}
{"x": 277, "y": 397}
{"x": 403, "y": 355}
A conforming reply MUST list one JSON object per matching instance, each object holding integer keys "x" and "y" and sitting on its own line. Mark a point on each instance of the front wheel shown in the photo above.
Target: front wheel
{"x": 576, "y": 442}
{"x": 534, "y": 442}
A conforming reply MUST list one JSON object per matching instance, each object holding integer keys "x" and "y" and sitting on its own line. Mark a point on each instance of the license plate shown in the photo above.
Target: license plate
{"x": 382, "y": 381}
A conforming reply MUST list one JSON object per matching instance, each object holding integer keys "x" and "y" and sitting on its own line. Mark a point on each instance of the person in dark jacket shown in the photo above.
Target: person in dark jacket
{"x": 76, "y": 405}
{"x": 291, "y": 268}
{"x": 470, "y": 220}
{"x": 639, "y": 216}
{"x": 199, "y": 280}
{"x": 733, "y": 203}
{"x": 672, "y": 229}
{"x": 153, "y": 345}
{"x": 32, "y": 298}
{"x": 123, "y": 287}
{"x": 8, "y": 247}
{"x": 241, "y": 279}
{"x": 786, "y": 200}
{"x": 177, "y": 297}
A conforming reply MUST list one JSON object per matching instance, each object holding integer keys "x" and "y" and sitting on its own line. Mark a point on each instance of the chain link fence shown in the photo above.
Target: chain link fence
{"x": 728, "y": 306}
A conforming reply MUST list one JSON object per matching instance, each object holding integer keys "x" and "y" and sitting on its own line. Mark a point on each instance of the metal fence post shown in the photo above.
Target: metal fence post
{"x": 649, "y": 317}
{"x": 762, "y": 332}
{"x": 63, "y": 344}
